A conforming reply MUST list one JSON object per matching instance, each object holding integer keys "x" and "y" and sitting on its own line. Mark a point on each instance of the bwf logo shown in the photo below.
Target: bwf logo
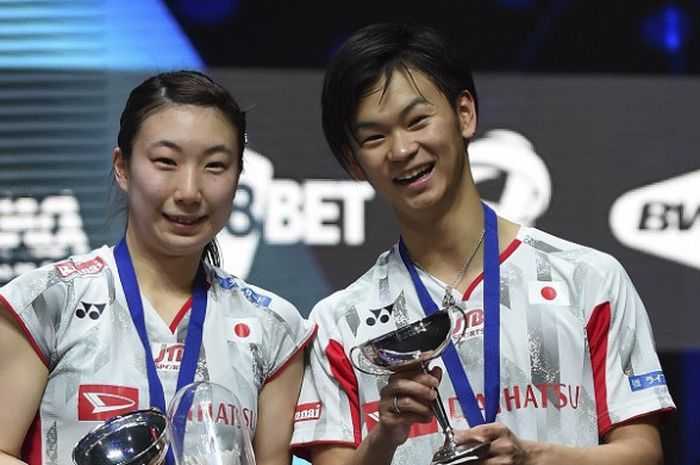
{"x": 661, "y": 219}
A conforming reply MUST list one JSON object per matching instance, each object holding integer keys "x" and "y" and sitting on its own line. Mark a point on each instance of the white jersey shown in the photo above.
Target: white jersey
{"x": 75, "y": 315}
{"x": 576, "y": 353}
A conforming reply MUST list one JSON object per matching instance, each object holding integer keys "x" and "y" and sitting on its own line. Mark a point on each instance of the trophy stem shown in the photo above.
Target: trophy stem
{"x": 440, "y": 412}
{"x": 451, "y": 453}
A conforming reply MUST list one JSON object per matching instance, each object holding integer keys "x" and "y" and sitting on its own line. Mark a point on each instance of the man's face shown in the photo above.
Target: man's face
{"x": 408, "y": 143}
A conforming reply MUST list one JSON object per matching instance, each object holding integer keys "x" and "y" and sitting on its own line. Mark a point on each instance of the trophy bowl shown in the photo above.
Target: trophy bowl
{"x": 405, "y": 347}
{"x": 414, "y": 346}
{"x": 135, "y": 438}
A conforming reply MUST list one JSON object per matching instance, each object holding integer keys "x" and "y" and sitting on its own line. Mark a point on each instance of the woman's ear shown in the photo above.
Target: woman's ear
{"x": 466, "y": 111}
{"x": 121, "y": 169}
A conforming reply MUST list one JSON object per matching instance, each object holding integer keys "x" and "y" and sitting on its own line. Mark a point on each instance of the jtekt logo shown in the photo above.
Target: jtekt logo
{"x": 662, "y": 219}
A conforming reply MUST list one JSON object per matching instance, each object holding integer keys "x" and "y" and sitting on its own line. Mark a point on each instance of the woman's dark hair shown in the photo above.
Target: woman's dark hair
{"x": 179, "y": 88}
{"x": 374, "y": 52}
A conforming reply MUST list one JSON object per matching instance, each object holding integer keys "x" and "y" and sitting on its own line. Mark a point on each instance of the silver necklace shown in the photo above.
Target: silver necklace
{"x": 448, "y": 300}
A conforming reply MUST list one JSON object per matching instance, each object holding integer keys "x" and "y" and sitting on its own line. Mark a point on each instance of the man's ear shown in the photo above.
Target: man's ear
{"x": 121, "y": 169}
{"x": 466, "y": 111}
{"x": 354, "y": 167}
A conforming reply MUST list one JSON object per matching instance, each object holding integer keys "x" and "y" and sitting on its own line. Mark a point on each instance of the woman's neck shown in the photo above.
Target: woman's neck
{"x": 162, "y": 279}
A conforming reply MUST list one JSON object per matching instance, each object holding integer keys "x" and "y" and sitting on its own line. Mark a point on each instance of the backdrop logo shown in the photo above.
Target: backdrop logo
{"x": 508, "y": 156}
{"x": 34, "y": 231}
{"x": 324, "y": 212}
{"x": 661, "y": 219}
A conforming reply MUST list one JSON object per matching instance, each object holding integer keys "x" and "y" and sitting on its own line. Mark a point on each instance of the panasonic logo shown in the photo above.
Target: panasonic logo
{"x": 661, "y": 219}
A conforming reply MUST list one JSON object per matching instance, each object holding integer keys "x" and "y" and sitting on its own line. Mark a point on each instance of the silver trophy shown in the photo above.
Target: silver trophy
{"x": 204, "y": 426}
{"x": 208, "y": 427}
{"x": 413, "y": 346}
{"x": 135, "y": 438}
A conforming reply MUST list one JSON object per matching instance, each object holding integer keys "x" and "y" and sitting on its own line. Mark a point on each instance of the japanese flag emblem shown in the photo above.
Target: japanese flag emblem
{"x": 246, "y": 330}
{"x": 548, "y": 293}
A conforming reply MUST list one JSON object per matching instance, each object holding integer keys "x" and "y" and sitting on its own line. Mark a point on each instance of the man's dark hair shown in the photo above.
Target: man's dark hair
{"x": 374, "y": 52}
{"x": 184, "y": 87}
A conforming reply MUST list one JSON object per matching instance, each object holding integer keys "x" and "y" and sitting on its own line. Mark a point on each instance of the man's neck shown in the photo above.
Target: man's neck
{"x": 442, "y": 244}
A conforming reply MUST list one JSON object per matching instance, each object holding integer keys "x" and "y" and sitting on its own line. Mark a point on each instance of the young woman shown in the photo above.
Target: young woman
{"x": 123, "y": 327}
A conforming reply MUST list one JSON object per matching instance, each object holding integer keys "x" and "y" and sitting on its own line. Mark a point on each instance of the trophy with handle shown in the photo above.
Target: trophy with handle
{"x": 415, "y": 345}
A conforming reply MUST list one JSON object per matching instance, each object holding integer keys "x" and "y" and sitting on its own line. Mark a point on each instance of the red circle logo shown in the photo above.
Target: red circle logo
{"x": 549, "y": 293}
{"x": 241, "y": 330}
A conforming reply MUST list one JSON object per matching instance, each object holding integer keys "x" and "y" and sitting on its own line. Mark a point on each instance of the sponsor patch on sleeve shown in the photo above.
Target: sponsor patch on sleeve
{"x": 307, "y": 412}
{"x": 647, "y": 380}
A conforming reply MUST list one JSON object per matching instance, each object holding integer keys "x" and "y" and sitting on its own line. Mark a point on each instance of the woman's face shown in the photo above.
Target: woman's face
{"x": 180, "y": 180}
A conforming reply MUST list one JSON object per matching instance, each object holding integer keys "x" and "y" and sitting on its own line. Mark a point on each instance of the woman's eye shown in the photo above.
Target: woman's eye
{"x": 164, "y": 161}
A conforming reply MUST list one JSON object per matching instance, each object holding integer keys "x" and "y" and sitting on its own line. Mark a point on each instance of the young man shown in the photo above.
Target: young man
{"x": 557, "y": 362}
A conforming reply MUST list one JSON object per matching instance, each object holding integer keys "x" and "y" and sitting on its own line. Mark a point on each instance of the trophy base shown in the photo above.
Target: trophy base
{"x": 460, "y": 454}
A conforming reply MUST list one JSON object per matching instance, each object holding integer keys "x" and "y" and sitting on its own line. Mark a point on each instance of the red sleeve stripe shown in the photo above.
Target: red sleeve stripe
{"x": 26, "y": 331}
{"x": 342, "y": 371}
{"x": 597, "y": 329}
{"x": 302, "y": 346}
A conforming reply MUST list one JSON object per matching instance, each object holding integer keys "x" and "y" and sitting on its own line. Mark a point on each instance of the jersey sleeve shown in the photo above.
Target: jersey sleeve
{"x": 287, "y": 333}
{"x": 627, "y": 375}
{"x": 37, "y": 300}
{"x": 328, "y": 410}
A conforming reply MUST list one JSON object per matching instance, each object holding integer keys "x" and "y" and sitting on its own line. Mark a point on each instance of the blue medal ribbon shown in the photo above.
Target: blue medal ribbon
{"x": 193, "y": 340}
{"x": 492, "y": 304}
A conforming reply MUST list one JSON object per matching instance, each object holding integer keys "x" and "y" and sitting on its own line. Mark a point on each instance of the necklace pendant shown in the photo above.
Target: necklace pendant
{"x": 448, "y": 300}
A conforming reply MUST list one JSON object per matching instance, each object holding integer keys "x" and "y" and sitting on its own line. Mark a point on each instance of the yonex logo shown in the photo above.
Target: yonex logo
{"x": 93, "y": 311}
{"x": 99, "y": 402}
{"x": 381, "y": 314}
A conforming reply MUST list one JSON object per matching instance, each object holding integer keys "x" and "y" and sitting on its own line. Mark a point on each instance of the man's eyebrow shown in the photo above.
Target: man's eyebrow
{"x": 404, "y": 111}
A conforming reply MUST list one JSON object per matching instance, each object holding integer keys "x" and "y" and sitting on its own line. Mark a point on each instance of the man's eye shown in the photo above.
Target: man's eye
{"x": 216, "y": 166}
{"x": 417, "y": 120}
{"x": 372, "y": 138}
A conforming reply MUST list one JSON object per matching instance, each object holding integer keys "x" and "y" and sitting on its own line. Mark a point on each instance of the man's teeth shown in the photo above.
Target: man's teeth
{"x": 413, "y": 174}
